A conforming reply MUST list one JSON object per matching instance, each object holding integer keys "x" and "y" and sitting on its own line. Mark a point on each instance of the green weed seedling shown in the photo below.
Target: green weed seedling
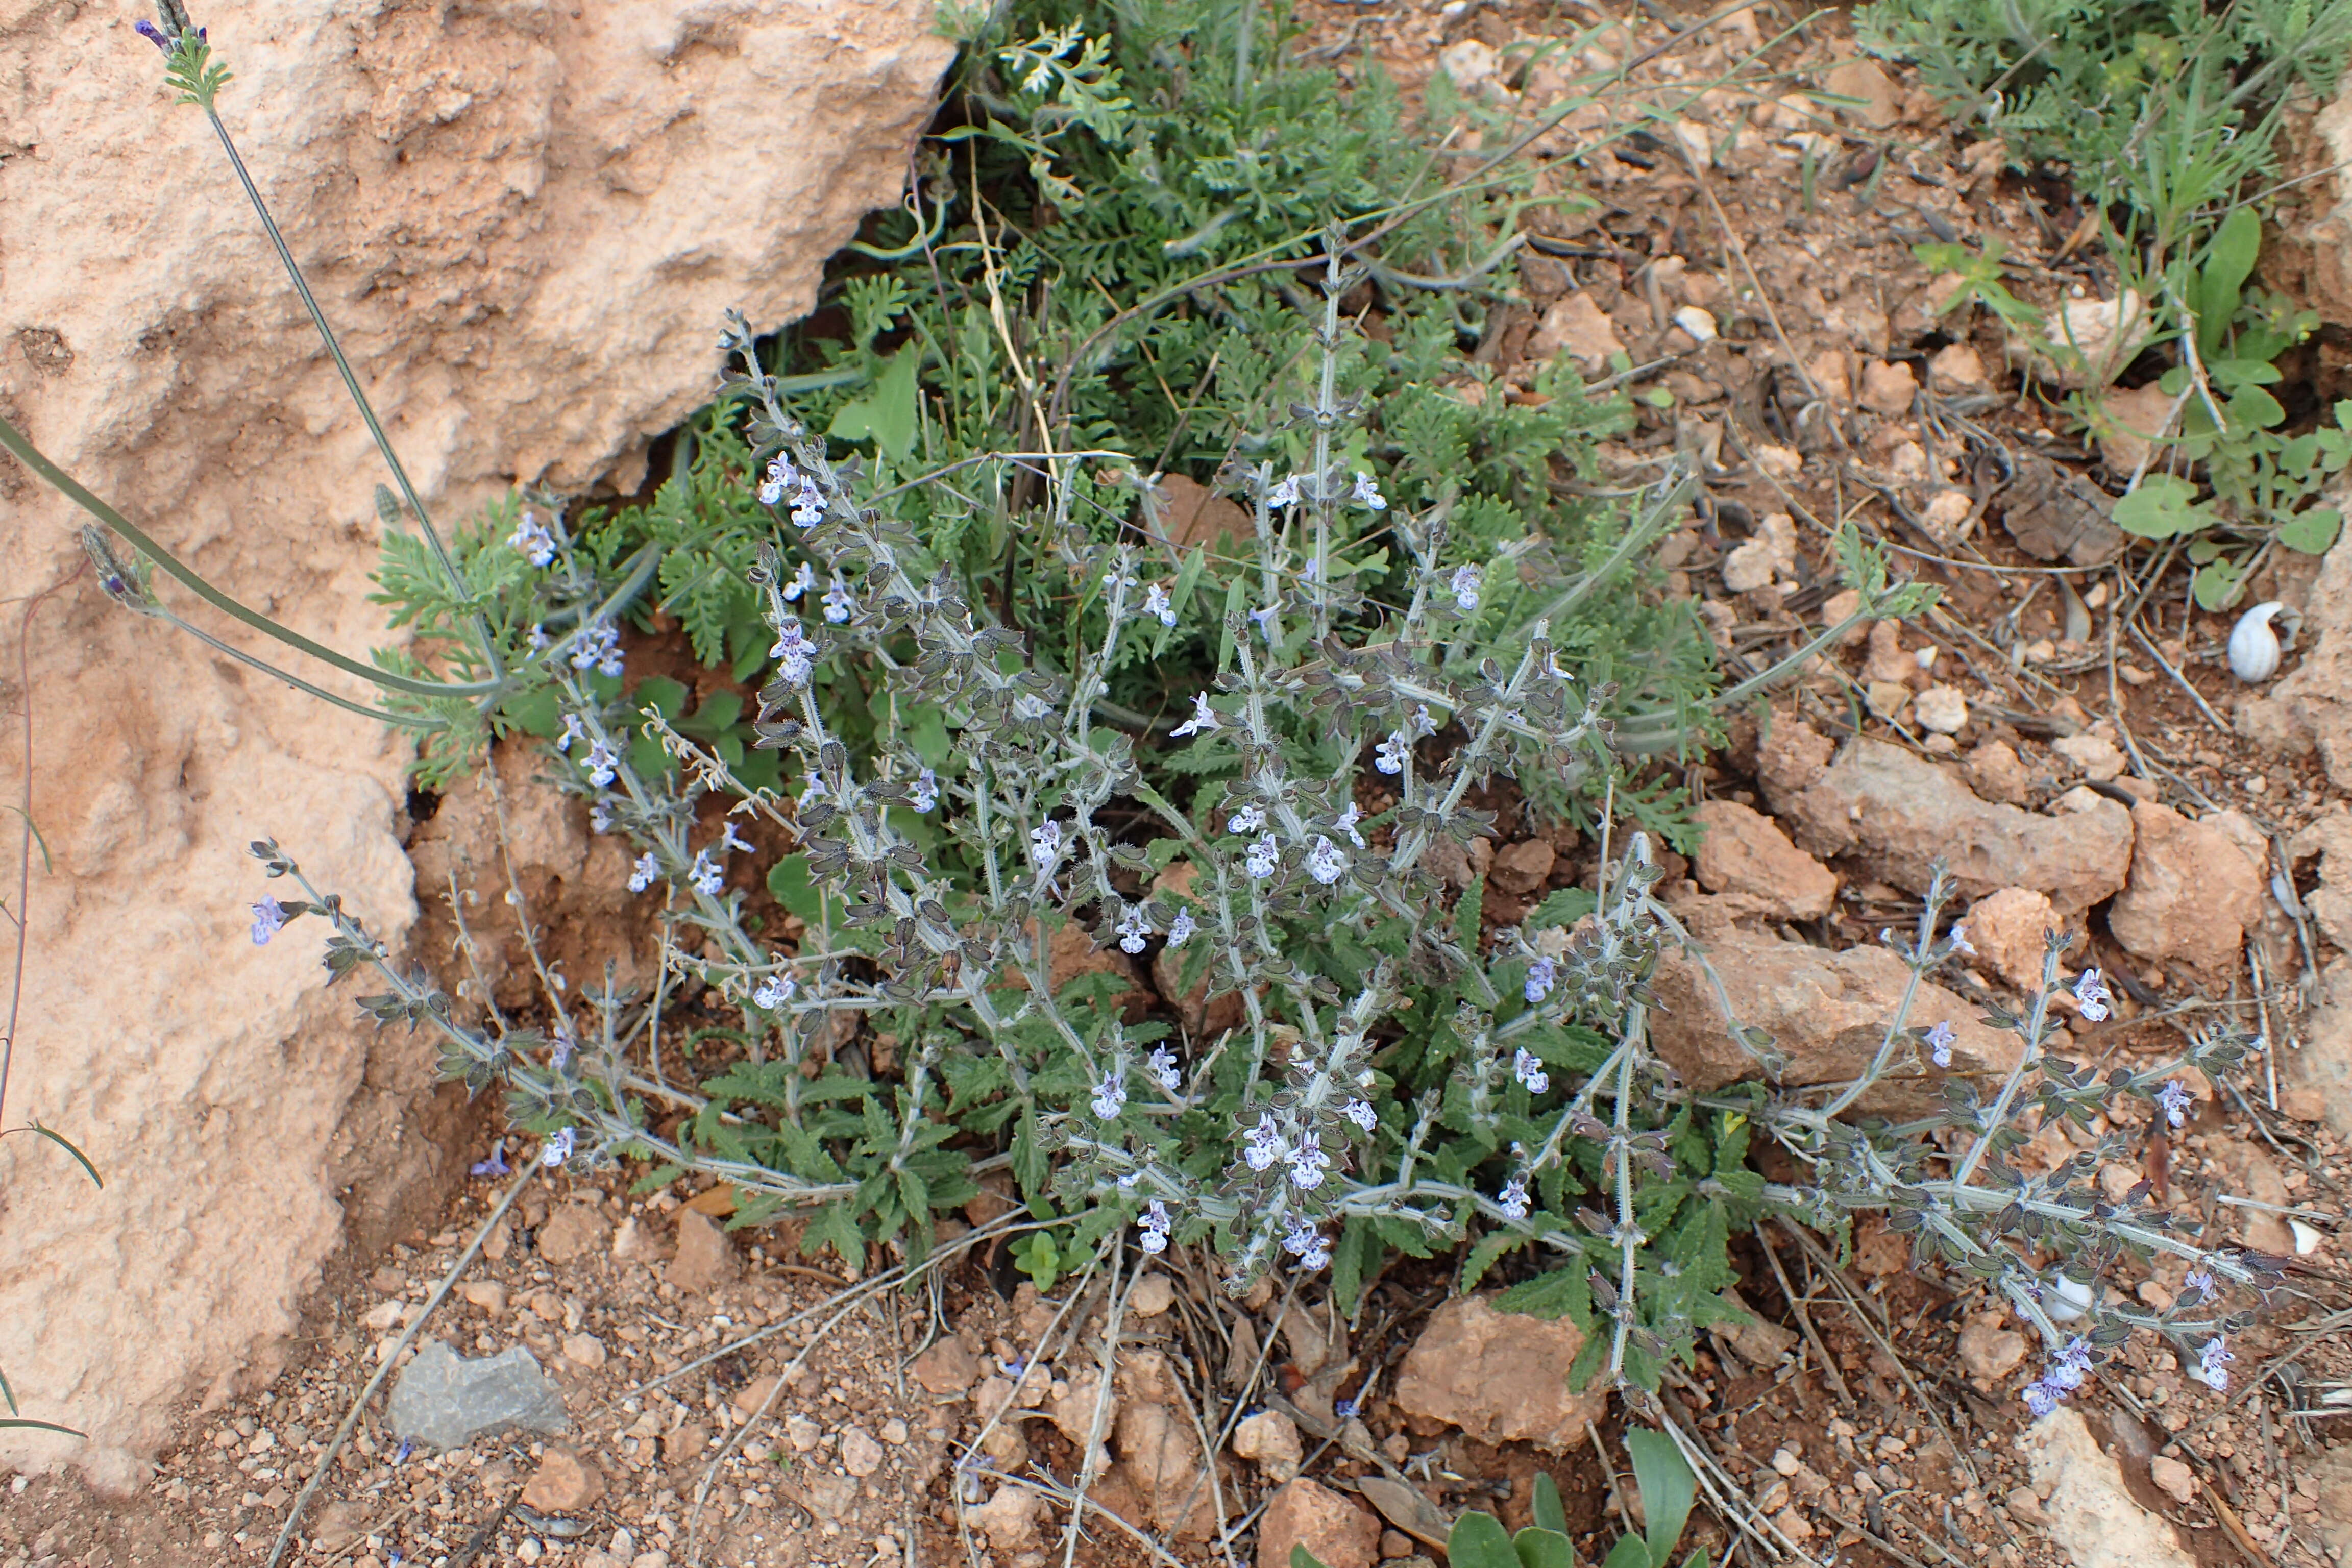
{"x": 1667, "y": 1488}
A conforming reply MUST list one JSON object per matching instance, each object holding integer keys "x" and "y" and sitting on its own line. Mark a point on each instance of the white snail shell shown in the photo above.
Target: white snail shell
{"x": 2253, "y": 647}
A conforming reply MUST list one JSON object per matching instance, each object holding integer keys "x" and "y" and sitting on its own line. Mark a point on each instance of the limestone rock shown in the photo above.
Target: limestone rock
{"x": 2314, "y": 258}
{"x": 446, "y": 1400}
{"x": 1153, "y": 1294}
{"x": 861, "y": 1455}
{"x": 563, "y": 1482}
{"x": 706, "y": 1257}
{"x": 947, "y": 1370}
{"x": 2009, "y": 930}
{"x": 2099, "y": 758}
{"x": 1270, "y": 1440}
{"x": 1826, "y": 1012}
{"x": 2092, "y": 1519}
{"x": 1744, "y": 854}
{"x": 1898, "y": 814}
{"x": 1791, "y": 756}
{"x": 1521, "y": 869}
{"x": 1942, "y": 710}
{"x": 1995, "y": 772}
{"x": 2192, "y": 896}
{"x": 1501, "y": 1377}
{"x": 1888, "y": 389}
{"x": 1338, "y": 1532}
{"x": 1009, "y": 1518}
{"x": 2254, "y": 1174}
{"x": 1579, "y": 328}
{"x": 574, "y": 1230}
{"x": 2324, "y": 1066}
{"x": 2334, "y": 1476}
{"x": 528, "y": 224}
{"x": 2311, "y": 705}
{"x": 2330, "y": 839}
{"x": 1989, "y": 1351}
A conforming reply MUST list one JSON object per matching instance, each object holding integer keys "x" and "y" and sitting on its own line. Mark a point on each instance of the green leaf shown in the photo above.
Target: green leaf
{"x": 2218, "y": 583}
{"x": 1466, "y": 913}
{"x": 2312, "y": 531}
{"x": 1667, "y": 1487}
{"x": 1541, "y": 1548}
{"x": 1562, "y": 906}
{"x": 2161, "y": 508}
{"x": 2228, "y": 261}
{"x": 1302, "y": 1558}
{"x": 1034, "y": 1255}
{"x": 1631, "y": 1552}
{"x": 1477, "y": 1541}
{"x": 789, "y": 880}
{"x": 1548, "y": 1513}
{"x": 885, "y": 415}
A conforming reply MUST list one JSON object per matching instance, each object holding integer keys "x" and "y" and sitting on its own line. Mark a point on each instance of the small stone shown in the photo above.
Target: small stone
{"x": 489, "y": 1295}
{"x": 385, "y": 1315}
{"x": 1744, "y": 855}
{"x": 1153, "y": 1294}
{"x": 1270, "y": 1440}
{"x": 947, "y": 1368}
{"x": 1888, "y": 389}
{"x": 1995, "y": 772}
{"x": 1335, "y": 1531}
{"x": 1698, "y": 322}
{"x": 2192, "y": 895}
{"x": 1947, "y": 513}
{"x": 1874, "y": 104}
{"x": 1989, "y": 1351}
{"x": 1470, "y": 63}
{"x": 2093, "y": 1518}
{"x": 1888, "y": 659}
{"x": 387, "y": 1281}
{"x": 1575, "y": 325}
{"x": 1521, "y": 869}
{"x": 632, "y": 1243}
{"x": 894, "y": 1432}
{"x": 564, "y": 1481}
{"x": 1958, "y": 366}
{"x": 2009, "y": 930}
{"x": 754, "y": 1395}
{"x": 1887, "y": 698}
{"x": 584, "y": 1350}
{"x": 1749, "y": 567}
{"x": 706, "y": 1257}
{"x": 574, "y": 1231}
{"x": 338, "y": 1525}
{"x": 1009, "y": 1519}
{"x": 687, "y": 1443}
{"x": 2177, "y": 1481}
{"x": 861, "y": 1455}
{"x": 1785, "y": 1463}
{"x": 1501, "y": 1377}
{"x": 1395, "y": 1544}
{"x": 2095, "y": 755}
{"x": 1941, "y": 710}
{"x": 445, "y": 1401}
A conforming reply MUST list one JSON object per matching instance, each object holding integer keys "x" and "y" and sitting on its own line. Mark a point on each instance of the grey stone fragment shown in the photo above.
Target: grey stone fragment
{"x": 446, "y": 1401}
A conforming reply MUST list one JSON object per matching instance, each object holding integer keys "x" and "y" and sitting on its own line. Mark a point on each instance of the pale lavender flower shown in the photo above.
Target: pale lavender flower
{"x": 1261, "y": 857}
{"x": 1265, "y": 619}
{"x": 2040, "y": 1399}
{"x": 496, "y": 1165}
{"x": 268, "y": 920}
{"x": 2211, "y": 1362}
{"x": 1045, "y": 845}
{"x": 1346, "y": 823}
{"x": 600, "y": 814}
{"x": 2200, "y": 1281}
{"x": 705, "y": 875}
{"x": 1155, "y": 1226}
{"x": 1266, "y": 1144}
{"x": 729, "y": 840}
{"x": 1463, "y": 585}
{"x": 1284, "y": 494}
{"x": 603, "y": 764}
{"x": 564, "y": 1046}
{"x": 1180, "y": 928}
{"x": 1960, "y": 938}
{"x": 1542, "y": 975}
{"x": 1368, "y": 493}
{"x": 1133, "y": 929}
{"x": 531, "y": 541}
{"x": 838, "y": 602}
{"x": 808, "y": 507}
{"x": 641, "y": 875}
{"x": 2071, "y": 1366}
{"x": 1157, "y": 603}
{"x": 1326, "y": 862}
{"x": 1203, "y": 719}
{"x": 539, "y": 639}
{"x": 1306, "y": 1243}
{"x": 1939, "y": 1044}
{"x": 774, "y": 992}
{"x": 925, "y": 790}
{"x": 2091, "y": 992}
{"x": 1528, "y": 1068}
{"x": 1250, "y": 818}
{"x": 1389, "y": 755}
{"x": 1110, "y": 1097}
{"x": 794, "y": 652}
{"x": 558, "y": 1147}
{"x": 1513, "y": 1199}
{"x": 1307, "y": 1162}
{"x": 1161, "y": 1065}
{"x": 1361, "y": 1113}
{"x": 1420, "y": 725}
{"x": 600, "y": 647}
{"x": 803, "y": 581}
{"x": 2173, "y": 1099}
{"x": 573, "y": 731}
{"x": 780, "y": 477}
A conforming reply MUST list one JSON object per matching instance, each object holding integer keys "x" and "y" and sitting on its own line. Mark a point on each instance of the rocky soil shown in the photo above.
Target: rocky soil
{"x": 2065, "y": 733}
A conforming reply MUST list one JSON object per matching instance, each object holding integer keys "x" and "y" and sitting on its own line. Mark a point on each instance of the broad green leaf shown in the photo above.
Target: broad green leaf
{"x": 1548, "y": 1513}
{"x": 2218, "y": 583}
{"x": 1477, "y": 1541}
{"x": 2312, "y": 531}
{"x": 1542, "y": 1548}
{"x": 1667, "y": 1489}
{"x": 887, "y": 415}
{"x": 1302, "y": 1558}
{"x": 2228, "y": 261}
{"x": 1562, "y": 906}
{"x": 2163, "y": 507}
{"x": 1631, "y": 1552}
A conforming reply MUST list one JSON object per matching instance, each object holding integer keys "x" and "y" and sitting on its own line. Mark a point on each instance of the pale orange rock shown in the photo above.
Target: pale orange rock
{"x": 2006, "y": 926}
{"x": 1501, "y": 1377}
{"x": 1744, "y": 854}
